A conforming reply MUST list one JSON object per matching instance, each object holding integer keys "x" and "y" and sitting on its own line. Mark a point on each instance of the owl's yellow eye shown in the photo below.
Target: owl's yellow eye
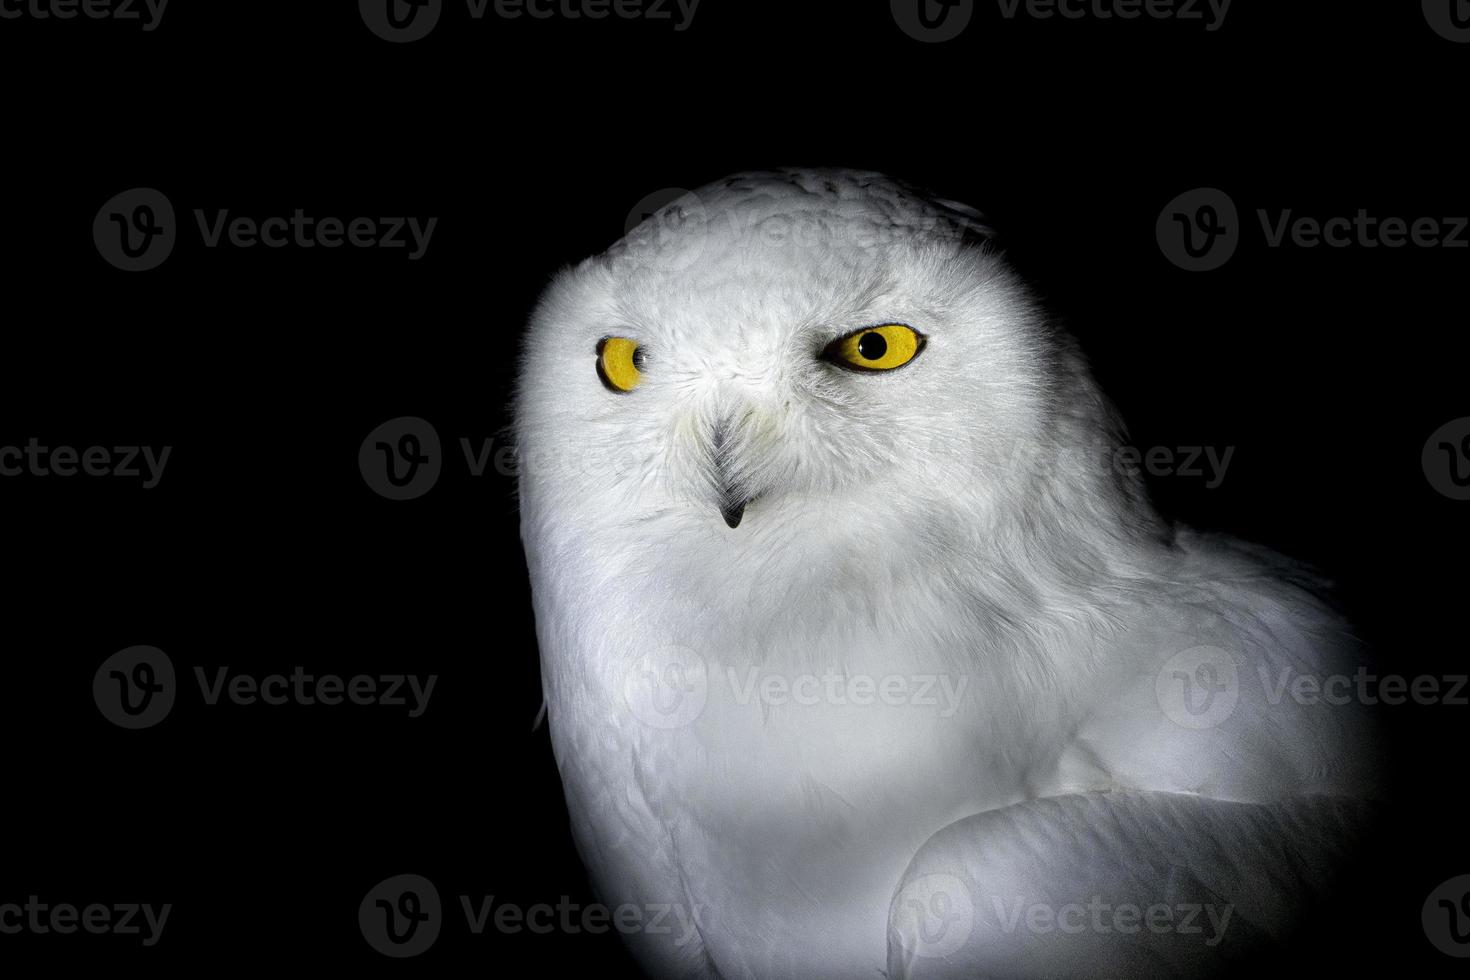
{"x": 880, "y": 348}
{"x": 618, "y": 361}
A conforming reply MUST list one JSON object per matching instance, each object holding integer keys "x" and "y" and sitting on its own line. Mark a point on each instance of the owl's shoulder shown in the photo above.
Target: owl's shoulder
{"x": 1232, "y": 678}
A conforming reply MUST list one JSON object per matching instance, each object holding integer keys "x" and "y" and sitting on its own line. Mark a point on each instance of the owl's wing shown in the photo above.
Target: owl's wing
{"x": 1114, "y": 884}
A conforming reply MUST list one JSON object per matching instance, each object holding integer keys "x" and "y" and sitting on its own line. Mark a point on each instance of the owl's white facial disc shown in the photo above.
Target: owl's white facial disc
{"x": 730, "y": 297}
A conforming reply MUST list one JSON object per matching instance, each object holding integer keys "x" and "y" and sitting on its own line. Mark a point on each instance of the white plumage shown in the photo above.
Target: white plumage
{"x": 716, "y": 693}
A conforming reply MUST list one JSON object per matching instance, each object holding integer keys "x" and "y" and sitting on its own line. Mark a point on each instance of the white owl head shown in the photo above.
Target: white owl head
{"x": 796, "y": 356}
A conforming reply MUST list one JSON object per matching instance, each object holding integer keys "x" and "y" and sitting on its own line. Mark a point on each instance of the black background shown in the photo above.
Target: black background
{"x": 262, "y": 548}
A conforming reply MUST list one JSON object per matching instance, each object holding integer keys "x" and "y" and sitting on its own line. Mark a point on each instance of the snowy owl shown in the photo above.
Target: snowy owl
{"x": 862, "y": 654}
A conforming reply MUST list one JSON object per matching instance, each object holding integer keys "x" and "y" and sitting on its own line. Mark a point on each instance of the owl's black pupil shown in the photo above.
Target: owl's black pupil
{"x": 872, "y": 346}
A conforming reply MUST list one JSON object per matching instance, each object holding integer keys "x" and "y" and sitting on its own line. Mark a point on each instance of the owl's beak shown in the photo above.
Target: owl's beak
{"x": 731, "y": 500}
{"x": 732, "y": 510}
